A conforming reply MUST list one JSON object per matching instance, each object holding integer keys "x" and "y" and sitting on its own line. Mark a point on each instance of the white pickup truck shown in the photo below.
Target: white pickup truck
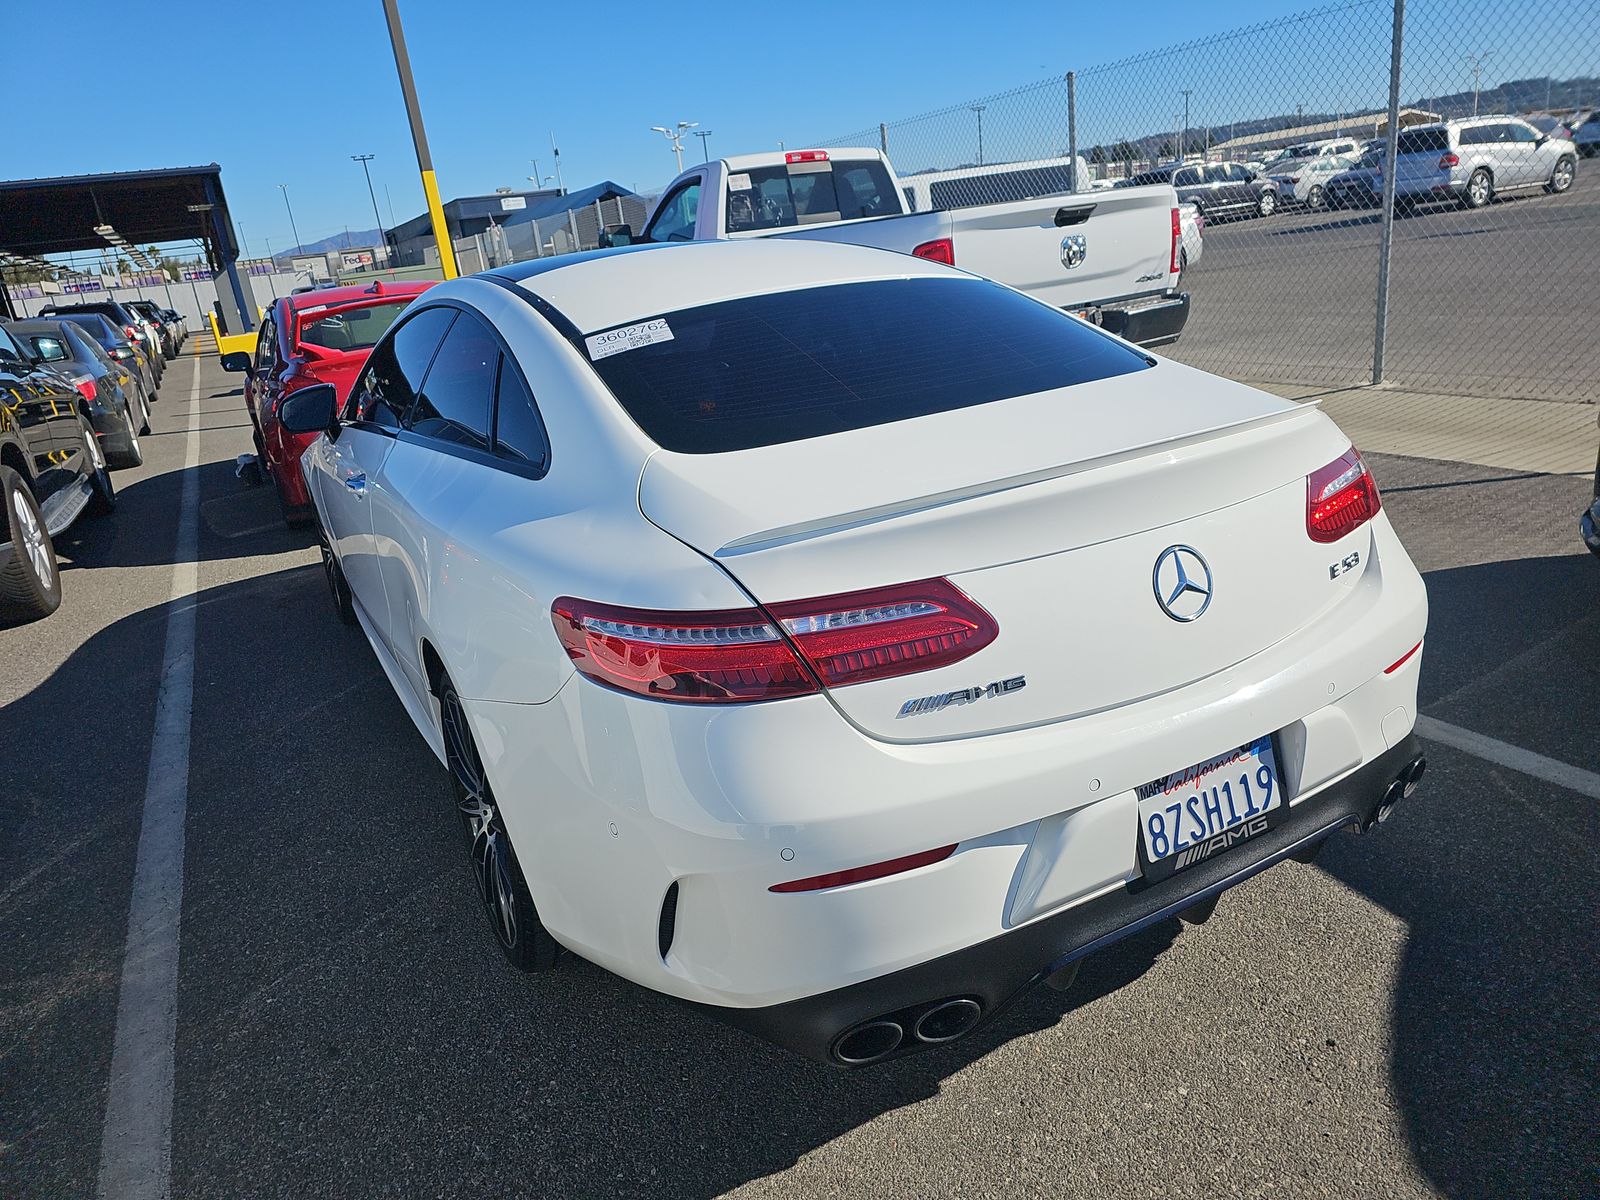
{"x": 1112, "y": 257}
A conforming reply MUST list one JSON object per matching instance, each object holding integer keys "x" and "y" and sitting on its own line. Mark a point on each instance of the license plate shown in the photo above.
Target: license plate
{"x": 1190, "y": 815}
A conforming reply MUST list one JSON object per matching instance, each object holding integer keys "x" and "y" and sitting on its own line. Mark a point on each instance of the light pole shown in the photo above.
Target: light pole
{"x": 284, "y": 188}
{"x": 675, "y": 136}
{"x": 419, "y": 138}
{"x": 978, "y": 109}
{"x": 364, "y": 159}
{"x": 1476, "y": 62}
{"x": 555, "y": 150}
{"x": 1183, "y": 137}
{"x": 705, "y": 143}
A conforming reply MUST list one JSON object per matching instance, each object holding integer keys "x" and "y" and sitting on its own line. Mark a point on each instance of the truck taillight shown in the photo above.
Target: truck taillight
{"x": 131, "y": 332}
{"x": 941, "y": 250}
{"x": 1340, "y": 498}
{"x": 733, "y": 656}
{"x": 1177, "y": 240}
{"x": 805, "y": 156}
{"x": 1447, "y": 160}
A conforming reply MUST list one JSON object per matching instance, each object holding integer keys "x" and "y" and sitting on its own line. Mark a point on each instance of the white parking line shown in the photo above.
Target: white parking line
{"x": 136, "y": 1141}
{"x": 1574, "y": 779}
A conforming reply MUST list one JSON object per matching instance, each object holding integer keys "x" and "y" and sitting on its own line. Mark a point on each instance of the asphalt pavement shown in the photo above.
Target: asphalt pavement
{"x": 1497, "y": 302}
{"x": 1413, "y": 1015}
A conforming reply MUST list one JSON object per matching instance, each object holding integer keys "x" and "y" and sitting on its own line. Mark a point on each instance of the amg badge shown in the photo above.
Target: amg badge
{"x": 1193, "y": 854}
{"x": 971, "y": 695}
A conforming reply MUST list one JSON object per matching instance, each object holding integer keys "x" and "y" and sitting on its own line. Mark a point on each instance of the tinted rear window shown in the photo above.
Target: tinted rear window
{"x": 350, "y": 328}
{"x": 781, "y": 368}
{"x": 1423, "y": 141}
{"x": 778, "y": 197}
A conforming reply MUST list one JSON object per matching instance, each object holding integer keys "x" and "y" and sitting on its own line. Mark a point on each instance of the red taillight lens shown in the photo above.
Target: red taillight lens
{"x": 1446, "y": 161}
{"x": 734, "y": 656}
{"x": 131, "y": 332}
{"x": 940, "y": 250}
{"x": 87, "y": 388}
{"x": 729, "y": 656}
{"x": 893, "y": 866}
{"x": 1340, "y": 498}
{"x": 1177, "y": 240}
{"x": 884, "y": 632}
{"x": 805, "y": 156}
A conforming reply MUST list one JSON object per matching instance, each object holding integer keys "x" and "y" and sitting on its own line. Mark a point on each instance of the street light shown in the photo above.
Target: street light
{"x": 705, "y": 143}
{"x": 1476, "y": 62}
{"x": 364, "y": 159}
{"x": 675, "y": 136}
{"x": 978, "y": 109}
{"x": 284, "y": 188}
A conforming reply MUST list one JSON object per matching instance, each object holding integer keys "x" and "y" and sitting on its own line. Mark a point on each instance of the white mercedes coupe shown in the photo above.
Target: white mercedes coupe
{"x": 843, "y": 643}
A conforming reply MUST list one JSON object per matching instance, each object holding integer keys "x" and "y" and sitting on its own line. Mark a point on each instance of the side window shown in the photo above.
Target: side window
{"x": 454, "y": 404}
{"x": 384, "y": 393}
{"x": 1476, "y": 135}
{"x": 518, "y": 433}
{"x": 264, "y": 346}
{"x": 674, "y": 221}
{"x": 1217, "y": 173}
{"x": 1237, "y": 174}
{"x": 1522, "y": 133}
{"x": 1188, "y": 177}
{"x": 11, "y": 354}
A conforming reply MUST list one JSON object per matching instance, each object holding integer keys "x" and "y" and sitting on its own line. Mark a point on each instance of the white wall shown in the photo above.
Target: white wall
{"x": 193, "y": 300}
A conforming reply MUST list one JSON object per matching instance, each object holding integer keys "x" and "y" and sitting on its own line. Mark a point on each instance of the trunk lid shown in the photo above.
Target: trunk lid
{"x": 1050, "y": 511}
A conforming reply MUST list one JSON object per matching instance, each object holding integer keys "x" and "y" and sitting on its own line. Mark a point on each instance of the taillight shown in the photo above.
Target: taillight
{"x": 733, "y": 656}
{"x": 805, "y": 156}
{"x": 893, "y": 866}
{"x": 1446, "y": 161}
{"x": 941, "y": 250}
{"x": 131, "y": 332}
{"x": 1340, "y": 498}
{"x": 86, "y": 386}
{"x": 1177, "y": 240}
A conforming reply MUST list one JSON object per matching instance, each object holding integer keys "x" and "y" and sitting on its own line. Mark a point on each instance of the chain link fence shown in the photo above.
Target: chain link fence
{"x": 1495, "y": 241}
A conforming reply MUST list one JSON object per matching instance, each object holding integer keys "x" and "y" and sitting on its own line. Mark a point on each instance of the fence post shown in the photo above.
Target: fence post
{"x": 883, "y": 138}
{"x": 1072, "y": 126}
{"x": 572, "y": 228}
{"x": 1380, "y": 333}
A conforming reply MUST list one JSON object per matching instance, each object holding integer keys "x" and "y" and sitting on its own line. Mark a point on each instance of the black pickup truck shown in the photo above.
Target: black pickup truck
{"x": 51, "y": 471}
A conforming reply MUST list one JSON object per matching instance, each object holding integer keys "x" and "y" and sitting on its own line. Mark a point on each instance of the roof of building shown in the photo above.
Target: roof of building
{"x": 54, "y": 216}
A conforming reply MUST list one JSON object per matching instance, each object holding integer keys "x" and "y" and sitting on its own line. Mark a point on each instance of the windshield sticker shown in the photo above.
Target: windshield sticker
{"x": 630, "y": 337}
{"x": 738, "y": 183}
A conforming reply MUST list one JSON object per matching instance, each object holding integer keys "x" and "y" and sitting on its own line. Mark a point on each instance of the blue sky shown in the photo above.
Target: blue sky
{"x": 285, "y": 93}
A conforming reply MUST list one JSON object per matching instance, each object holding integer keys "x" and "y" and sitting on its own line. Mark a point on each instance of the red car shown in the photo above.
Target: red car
{"x": 320, "y": 336}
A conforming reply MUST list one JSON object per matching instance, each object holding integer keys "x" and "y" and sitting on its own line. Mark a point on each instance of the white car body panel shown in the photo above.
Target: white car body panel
{"x": 1048, "y": 509}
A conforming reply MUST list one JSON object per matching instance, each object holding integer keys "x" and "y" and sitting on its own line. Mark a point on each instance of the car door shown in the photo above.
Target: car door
{"x": 1190, "y": 186}
{"x": 42, "y": 411}
{"x": 349, "y": 464}
{"x": 1526, "y": 155}
{"x": 427, "y": 477}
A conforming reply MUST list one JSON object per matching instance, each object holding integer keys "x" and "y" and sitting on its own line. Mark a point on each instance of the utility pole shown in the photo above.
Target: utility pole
{"x": 419, "y": 137}
{"x": 1183, "y": 138}
{"x": 1476, "y": 62}
{"x": 705, "y": 143}
{"x": 978, "y": 109}
{"x": 284, "y": 188}
{"x": 364, "y": 159}
{"x": 560, "y": 183}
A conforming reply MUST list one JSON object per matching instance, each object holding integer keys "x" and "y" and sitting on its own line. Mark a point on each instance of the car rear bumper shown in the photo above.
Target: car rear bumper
{"x": 993, "y": 973}
{"x": 1148, "y": 321}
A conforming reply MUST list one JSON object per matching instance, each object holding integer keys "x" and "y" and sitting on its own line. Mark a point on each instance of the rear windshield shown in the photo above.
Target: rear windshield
{"x": 1422, "y": 141}
{"x": 779, "y": 197}
{"x": 781, "y": 368}
{"x": 350, "y": 328}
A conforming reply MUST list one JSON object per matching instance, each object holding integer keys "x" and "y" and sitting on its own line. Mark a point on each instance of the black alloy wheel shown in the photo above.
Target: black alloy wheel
{"x": 338, "y": 585}
{"x": 501, "y": 886}
{"x": 30, "y": 583}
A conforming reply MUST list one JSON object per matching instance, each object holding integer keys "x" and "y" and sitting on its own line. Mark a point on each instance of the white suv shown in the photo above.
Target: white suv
{"x": 1474, "y": 160}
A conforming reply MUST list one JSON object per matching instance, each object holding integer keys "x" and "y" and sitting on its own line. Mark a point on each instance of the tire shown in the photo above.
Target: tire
{"x": 132, "y": 456}
{"x": 1267, "y": 204}
{"x": 502, "y": 889}
{"x": 103, "y": 494}
{"x": 1480, "y": 189}
{"x": 30, "y": 583}
{"x": 1183, "y": 262}
{"x": 1316, "y": 198}
{"x": 144, "y": 414}
{"x": 338, "y": 585}
{"x": 1566, "y": 170}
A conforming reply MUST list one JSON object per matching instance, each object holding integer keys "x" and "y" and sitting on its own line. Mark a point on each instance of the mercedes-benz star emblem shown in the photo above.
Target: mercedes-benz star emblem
{"x": 1183, "y": 583}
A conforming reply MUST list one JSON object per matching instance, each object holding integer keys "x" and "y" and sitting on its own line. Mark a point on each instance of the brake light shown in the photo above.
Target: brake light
{"x": 1447, "y": 160}
{"x": 893, "y": 866}
{"x": 1340, "y": 498}
{"x": 941, "y": 250}
{"x": 130, "y": 331}
{"x": 1177, "y": 239}
{"x": 805, "y": 156}
{"x": 86, "y": 386}
{"x": 732, "y": 656}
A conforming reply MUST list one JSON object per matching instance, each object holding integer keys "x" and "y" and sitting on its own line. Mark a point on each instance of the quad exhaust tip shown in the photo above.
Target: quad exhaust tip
{"x": 924, "y": 1025}
{"x": 947, "y": 1020}
{"x": 869, "y": 1042}
{"x": 1401, "y": 788}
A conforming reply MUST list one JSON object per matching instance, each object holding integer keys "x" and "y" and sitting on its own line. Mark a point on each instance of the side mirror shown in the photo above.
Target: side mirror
{"x": 617, "y": 235}
{"x": 239, "y": 360}
{"x": 1540, "y": 140}
{"x": 310, "y": 410}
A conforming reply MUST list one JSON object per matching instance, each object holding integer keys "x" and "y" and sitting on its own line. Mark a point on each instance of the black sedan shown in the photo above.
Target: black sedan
{"x": 1218, "y": 190}
{"x": 117, "y": 407}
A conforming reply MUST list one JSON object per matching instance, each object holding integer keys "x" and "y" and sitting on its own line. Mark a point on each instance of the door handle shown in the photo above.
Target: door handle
{"x": 357, "y": 483}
